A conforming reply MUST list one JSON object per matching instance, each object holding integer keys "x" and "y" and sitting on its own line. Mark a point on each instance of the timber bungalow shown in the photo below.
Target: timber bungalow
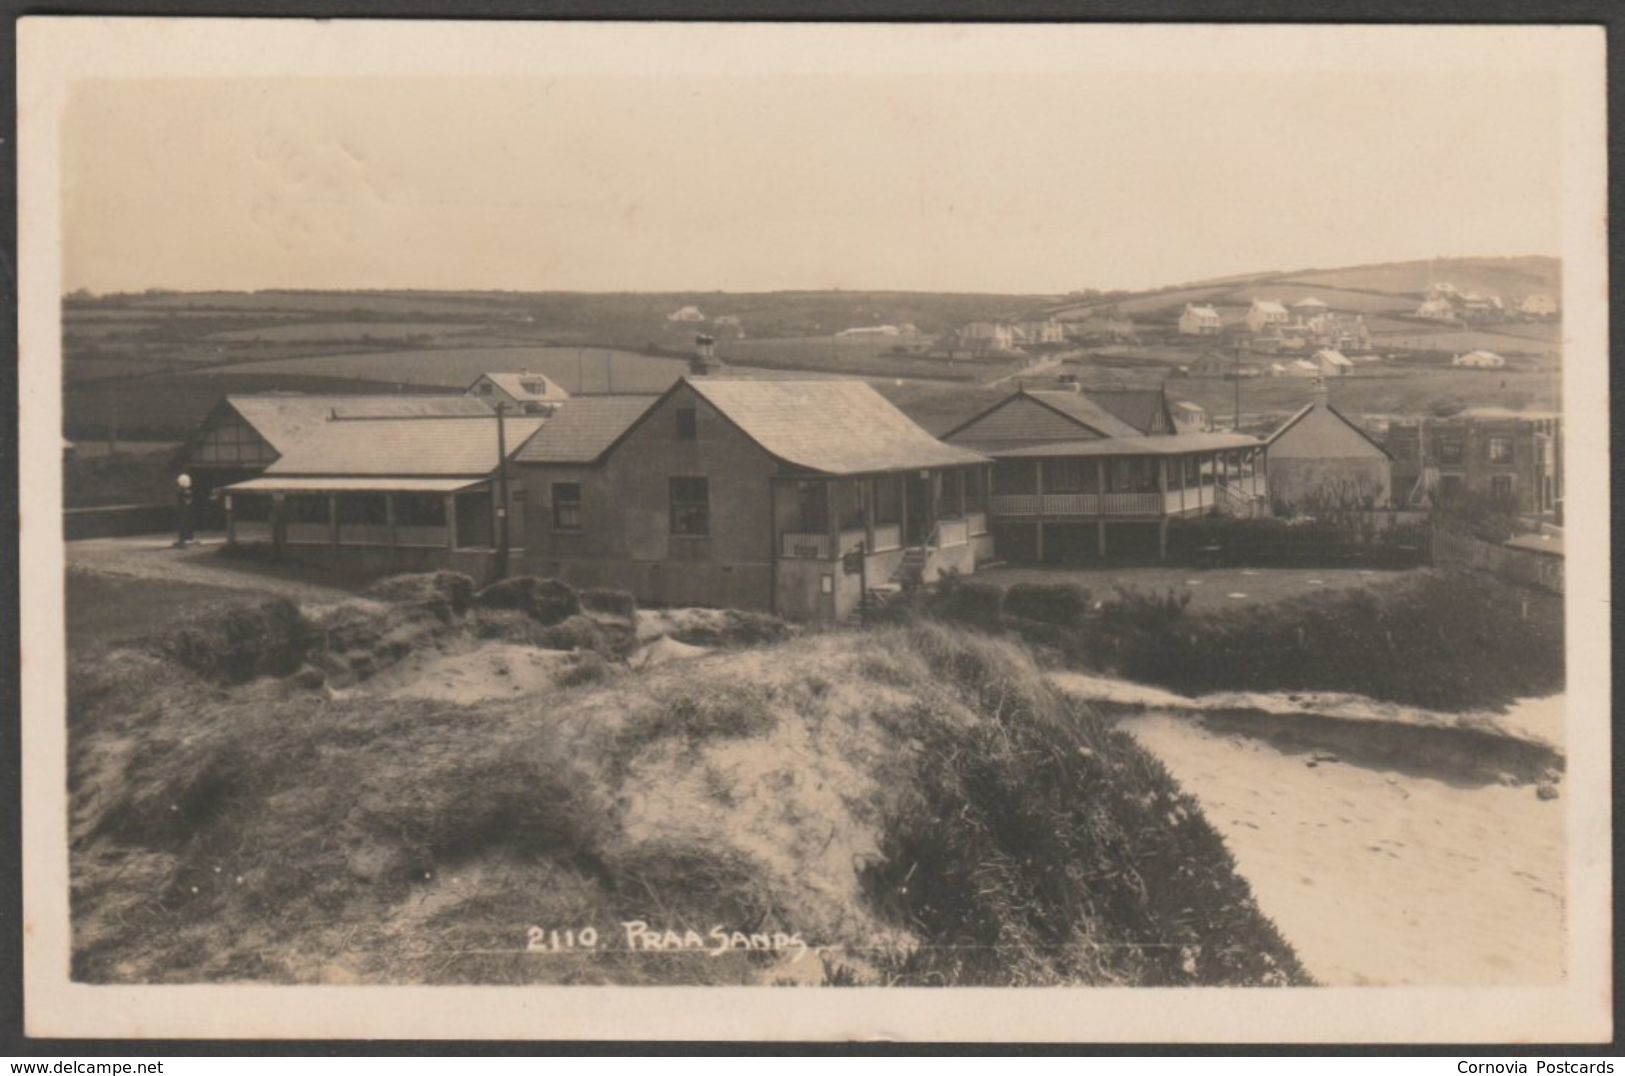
{"x": 243, "y": 435}
{"x": 1079, "y": 477}
{"x": 387, "y": 493}
{"x": 789, "y": 496}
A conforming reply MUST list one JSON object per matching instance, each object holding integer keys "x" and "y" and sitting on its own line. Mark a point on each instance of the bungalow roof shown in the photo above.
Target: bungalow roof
{"x": 420, "y": 446}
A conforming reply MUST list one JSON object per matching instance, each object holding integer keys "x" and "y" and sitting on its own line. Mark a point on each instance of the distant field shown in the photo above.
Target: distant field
{"x": 350, "y": 330}
{"x": 170, "y": 406}
{"x": 321, "y": 302}
{"x": 577, "y": 369}
{"x": 1355, "y": 302}
{"x": 864, "y": 356}
{"x": 1495, "y": 276}
{"x": 1408, "y": 391}
{"x": 1467, "y": 340}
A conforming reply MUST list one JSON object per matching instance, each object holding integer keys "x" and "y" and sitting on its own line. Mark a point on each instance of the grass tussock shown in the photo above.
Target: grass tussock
{"x": 234, "y": 642}
{"x": 453, "y": 588}
{"x": 547, "y": 601}
{"x": 914, "y": 802}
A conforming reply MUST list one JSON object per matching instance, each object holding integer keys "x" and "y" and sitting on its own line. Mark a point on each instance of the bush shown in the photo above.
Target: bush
{"x": 967, "y": 602}
{"x": 609, "y": 602}
{"x": 548, "y": 601}
{"x": 232, "y": 643}
{"x": 1050, "y": 603}
{"x": 455, "y": 588}
{"x": 614, "y": 642}
{"x": 1133, "y": 609}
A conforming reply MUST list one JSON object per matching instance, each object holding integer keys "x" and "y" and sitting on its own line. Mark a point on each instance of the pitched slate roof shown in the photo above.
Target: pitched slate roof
{"x": 514, "y": 385}
{"x": 286, "y": 420}
{"x": 584, "y": 428}
{"x": 1100, "y": 417}
{"x": 1268, "y": 306}
{"x": 1298, "y": 416}
{"x": 834, "y": 426}
{"x": 404, "y": 446}
{"x": 1161, "y": 444}
{"x": 1139, "y": 408}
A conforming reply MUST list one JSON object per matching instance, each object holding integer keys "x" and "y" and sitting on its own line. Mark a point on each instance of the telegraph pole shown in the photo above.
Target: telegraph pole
{"x": 502, "y": 491}
{"x": 1236, "y": 373}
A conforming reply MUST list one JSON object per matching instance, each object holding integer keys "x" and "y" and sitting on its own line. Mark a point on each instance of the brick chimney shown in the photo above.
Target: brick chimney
{"x": 705, "y": 356}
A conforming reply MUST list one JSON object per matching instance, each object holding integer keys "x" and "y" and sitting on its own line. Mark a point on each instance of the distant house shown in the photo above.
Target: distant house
{"x": 1538, "y": 306}
{"x": 786, "y": 496}
{"x": 1309, "y": 307}
{"x": 1188, "y": 416}
{"x": 1441, "y": 290}
{"x": 1338, "y": 331}
{"x": 388, "y": 493}
{"x": 686, "y": 313}
{"x": 987, "y": 336}
{"x": 871, "y": 330}
{"x": 1200, "y": 320}
{"x": 524, "y": 393}
{"x": 1264, "y": 313}
{"x": 1480, "y": 359}
{"x": 242, "y": 435}
{"x": 1212, "y": 364}
{"x": 730, "y": 324}
{"x": 1301, "y": 368}
{"x": 1437, "y": 310}
{"x": 1330, "y": 362}
{"x": 1319, "y": 458}
{"x": 1039, "y": 331}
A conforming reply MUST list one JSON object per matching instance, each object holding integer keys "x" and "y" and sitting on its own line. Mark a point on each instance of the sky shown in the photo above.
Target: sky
{"x": 982, "y": 181}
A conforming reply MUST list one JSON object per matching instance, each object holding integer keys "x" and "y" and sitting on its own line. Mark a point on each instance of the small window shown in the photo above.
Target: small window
{"x": 483, "y": 388}
{"x": 567, "y": 506}
{"x": 1500, "y": 450}
{"x": 691, "y": 507}
{"x": 688, "y": 426}
{"x": 1063, "y": 476}
{"x": 1501, "y": 488}
{"x": 1450, "y": 450}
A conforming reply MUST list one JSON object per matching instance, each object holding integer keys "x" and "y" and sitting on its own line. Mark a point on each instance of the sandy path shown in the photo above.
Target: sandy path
{"x": 153, "y": 557}
{"x": 1377, "y": 878}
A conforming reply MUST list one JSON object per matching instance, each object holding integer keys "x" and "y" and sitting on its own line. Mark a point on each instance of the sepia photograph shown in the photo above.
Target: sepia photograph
{"x": 934, "y": 532}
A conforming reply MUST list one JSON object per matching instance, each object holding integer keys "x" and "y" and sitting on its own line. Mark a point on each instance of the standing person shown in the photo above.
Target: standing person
{"x": 183, "y": 504}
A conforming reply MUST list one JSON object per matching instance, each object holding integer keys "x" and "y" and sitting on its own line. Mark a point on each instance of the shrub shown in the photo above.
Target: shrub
{"x": 1131, "y": 608}
{"x": 610, "y": 602}
{"x": 612, "y": 641}
{"x": 241, "y": 641}
{"x": 548, "y": 601}
{"x": 1050, "y": 603}
{"x": 453, "y": 587}
{"x": 967, "y": 602}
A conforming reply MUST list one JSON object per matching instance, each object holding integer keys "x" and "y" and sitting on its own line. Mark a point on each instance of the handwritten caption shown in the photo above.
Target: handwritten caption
{"x": 636, "y": 935}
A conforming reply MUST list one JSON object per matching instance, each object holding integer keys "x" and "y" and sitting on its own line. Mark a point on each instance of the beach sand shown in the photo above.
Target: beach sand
{"x": 1380, "y": 878}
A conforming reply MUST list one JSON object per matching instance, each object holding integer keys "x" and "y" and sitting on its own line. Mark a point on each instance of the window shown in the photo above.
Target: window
{"x": 691, "y": 507}
{"x": 811, "y": 508}
{"x": 1500, "y": 450}
{"x": 1063, "y": 476}
{"x": 688, "y": 425}
{"x": 1501, "y": 488}
{"x": 483, "y": 388}
{"x": 420, "y": 510}
{"x": 363, "y": 508}
{"x": 1449, "y": 450}
{"x": 306, "y": 508}
{"x": 567, "y": 506}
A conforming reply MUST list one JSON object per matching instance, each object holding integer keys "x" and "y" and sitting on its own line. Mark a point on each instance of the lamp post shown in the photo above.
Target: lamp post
{"x": 183, "y": 510}
{"x": 502, "y": 492}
